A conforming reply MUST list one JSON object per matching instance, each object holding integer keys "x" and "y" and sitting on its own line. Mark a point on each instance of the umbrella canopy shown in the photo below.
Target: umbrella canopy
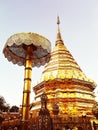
{"x": 15, "y": 48}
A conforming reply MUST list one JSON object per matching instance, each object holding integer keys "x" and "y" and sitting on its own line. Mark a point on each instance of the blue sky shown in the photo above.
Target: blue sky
{"x": 79, "y": 29}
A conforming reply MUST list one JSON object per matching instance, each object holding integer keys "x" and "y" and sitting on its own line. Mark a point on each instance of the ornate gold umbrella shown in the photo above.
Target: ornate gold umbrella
{"x": 28, "y": 49}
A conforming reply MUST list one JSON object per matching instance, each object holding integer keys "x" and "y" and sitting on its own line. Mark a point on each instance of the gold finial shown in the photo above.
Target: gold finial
{"x": 58, "y": 34}
{"x": 58, "y": 20}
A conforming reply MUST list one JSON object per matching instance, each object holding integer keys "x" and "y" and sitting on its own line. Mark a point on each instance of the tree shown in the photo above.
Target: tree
{"x": 3, "y": 105}
{"x": 14, "y": 109}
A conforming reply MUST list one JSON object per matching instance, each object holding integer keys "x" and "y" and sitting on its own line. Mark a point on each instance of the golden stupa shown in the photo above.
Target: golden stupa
{"x": 64, "y": 98}
{"x": 69, "y": 92}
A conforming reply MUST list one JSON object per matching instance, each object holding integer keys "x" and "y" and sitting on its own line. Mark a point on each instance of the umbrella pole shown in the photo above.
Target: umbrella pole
{"x": 27, "y": 88}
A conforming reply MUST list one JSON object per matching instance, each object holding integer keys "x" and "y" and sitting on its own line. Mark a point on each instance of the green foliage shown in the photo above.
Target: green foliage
{"x": 3, "y": 105}
{"x": 14, "y": 109}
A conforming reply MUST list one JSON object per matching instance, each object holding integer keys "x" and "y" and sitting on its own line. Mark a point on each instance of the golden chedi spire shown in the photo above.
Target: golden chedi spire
{"x": 62, "y": 65}
{"x": 58, "y": 33}
{"x": 66, "y": 85}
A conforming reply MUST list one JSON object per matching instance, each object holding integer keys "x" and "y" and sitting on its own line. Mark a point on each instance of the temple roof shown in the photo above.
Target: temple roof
{"x": 62, "y": 65}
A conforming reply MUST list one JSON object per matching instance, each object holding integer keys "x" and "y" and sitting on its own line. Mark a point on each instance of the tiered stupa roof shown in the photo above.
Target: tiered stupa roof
{"x": 62, "y": 65}
{"x": 65, "y": 84}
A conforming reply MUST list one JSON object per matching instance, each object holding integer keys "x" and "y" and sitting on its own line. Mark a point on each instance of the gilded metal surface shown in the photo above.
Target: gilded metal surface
{"x": 28, "y": 49}
{"x": 14, "y": 49}
{"x": 65, "y": 83}
{"x": 27, "y": 85}
{"x": 62, "y": 65}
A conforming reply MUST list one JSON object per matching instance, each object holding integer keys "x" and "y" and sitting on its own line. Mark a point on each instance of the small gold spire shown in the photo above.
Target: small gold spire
{"x": 58, "y": 20}
{"x": 58, "y": 33}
